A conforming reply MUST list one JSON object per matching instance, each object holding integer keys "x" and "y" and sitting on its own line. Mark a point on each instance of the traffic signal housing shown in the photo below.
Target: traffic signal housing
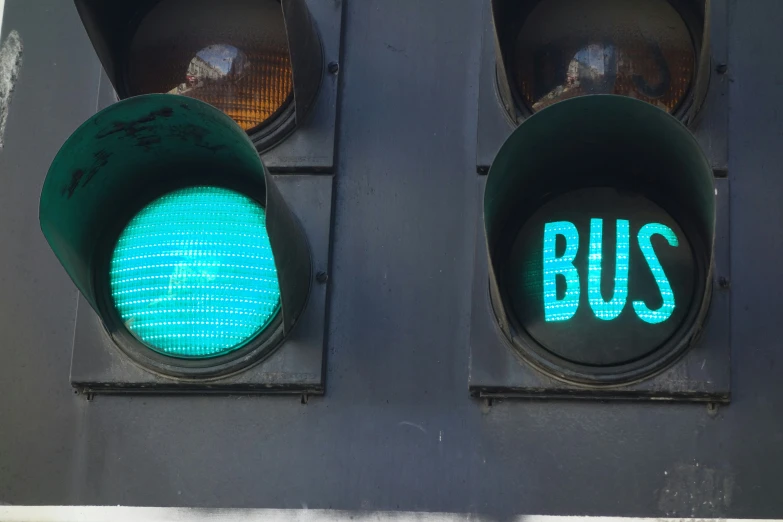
{"x": 602, "y": 266}
{"x": 600, "y": 248}
{"x": 197, "y": 269}
{"x": 271, "y": 65}
{"x": 670, "y": 53}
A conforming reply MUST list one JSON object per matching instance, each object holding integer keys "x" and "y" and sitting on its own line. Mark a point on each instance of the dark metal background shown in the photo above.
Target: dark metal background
{"x": 396, "y": 428}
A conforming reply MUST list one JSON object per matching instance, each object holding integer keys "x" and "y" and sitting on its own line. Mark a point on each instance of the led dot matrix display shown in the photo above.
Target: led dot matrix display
{"x": 192, "y": 275}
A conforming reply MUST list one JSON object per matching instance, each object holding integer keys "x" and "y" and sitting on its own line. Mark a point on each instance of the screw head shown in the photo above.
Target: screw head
{"x": 333, "y": 67}
{"x": 322, "y": 277}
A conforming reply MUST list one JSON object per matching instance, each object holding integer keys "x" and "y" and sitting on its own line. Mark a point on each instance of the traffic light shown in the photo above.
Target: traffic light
{"x": 269, "y": 64}
{"x": 671, "y": 53}
{"x": 602, "y": 256}
{"x": 199, "y": 270}
{"x": 197, "y": 264}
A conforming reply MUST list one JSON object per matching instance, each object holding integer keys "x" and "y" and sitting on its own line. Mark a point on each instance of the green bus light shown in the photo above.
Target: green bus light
{"x": 608, "y": 310}
{"x": 192, "y": 275}
{"x": 665, "y": 311}
{"x": 560, "y": 309}
{"x": 564, "y": 309}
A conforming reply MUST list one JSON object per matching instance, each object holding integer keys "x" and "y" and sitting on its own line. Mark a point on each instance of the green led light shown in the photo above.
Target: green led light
{"x": 560, "y": 309}
{"x": 608, "y": 310}
{"x": 666, "y": 309}
{"x": 192, "y": 275}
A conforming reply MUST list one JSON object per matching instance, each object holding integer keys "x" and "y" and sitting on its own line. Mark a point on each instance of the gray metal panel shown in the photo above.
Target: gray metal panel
{"x": 395, "y": 430}
{"x": 37, "y": 413}
{"x": 312, "y": 145}
{"x": 711, "y": 127}
{"x": 494, "y": 123}
{"x": 187, "y": 514}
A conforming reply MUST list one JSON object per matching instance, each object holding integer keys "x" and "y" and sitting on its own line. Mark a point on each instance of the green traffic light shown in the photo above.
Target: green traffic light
{"x": 192, "y": 275}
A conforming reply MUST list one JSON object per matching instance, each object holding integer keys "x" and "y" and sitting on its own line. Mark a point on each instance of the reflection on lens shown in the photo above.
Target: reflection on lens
{"x": 232, "y": 54}
{"x": 636, "y": 48}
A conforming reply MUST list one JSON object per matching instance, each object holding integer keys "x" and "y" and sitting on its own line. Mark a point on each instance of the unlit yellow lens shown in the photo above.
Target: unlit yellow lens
{"x": 232, "y": 54}
{"x": 252, "y": 89}
{"x": 637, "y": 48}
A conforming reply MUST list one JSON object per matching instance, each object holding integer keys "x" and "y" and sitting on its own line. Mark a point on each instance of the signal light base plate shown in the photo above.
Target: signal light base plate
{"x": 703, "y": 373}
{"x": 310, "y": 148}
{"x": 296, "y": 366}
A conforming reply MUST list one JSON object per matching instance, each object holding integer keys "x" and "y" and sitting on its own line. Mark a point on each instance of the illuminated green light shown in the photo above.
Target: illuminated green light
{"x": 560, "y": 309}
{"x": 608, "y": 310}
{"x": 666, "y": 309}
{"x": 564, "y": 309}
{"x": 192, "y": 275}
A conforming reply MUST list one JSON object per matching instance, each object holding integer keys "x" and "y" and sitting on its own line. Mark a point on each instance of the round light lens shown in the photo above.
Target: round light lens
{"x": 192, "y": 275}
{"x": 637, "y": 48}
{"x": 232, "y": 54}
{"x": 601, "y": 277}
